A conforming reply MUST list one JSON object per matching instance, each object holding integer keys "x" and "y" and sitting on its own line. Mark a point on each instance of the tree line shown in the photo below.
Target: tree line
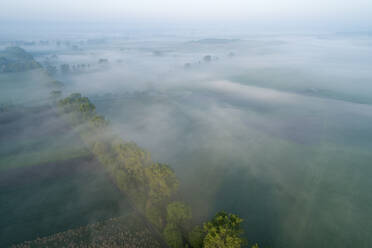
{"x": 151, "y": 187}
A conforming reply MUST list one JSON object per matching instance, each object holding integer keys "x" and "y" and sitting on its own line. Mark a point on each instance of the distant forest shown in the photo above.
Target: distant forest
{"x": 15, "y": 59}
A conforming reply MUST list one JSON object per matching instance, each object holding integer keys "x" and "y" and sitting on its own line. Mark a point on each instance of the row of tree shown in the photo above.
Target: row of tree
{"x": 151, "y": 187}
{"x": 65, "y": 68}
{"x": 81, "y": 110}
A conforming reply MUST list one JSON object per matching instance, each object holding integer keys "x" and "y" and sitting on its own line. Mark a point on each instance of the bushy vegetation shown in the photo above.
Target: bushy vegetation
{"x": 178, "y": 216}
{"x": 81, "y": 110}
{"x": 224, "y": 230}
{"x": 196, "y": 236}
{"x": 148, "y": 184}
{"x": 15, "y": 59}
{"x": 173, "y": 236}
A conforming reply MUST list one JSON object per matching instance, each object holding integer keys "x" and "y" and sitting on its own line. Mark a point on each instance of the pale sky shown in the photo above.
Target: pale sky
{"x": 346, "y": 12}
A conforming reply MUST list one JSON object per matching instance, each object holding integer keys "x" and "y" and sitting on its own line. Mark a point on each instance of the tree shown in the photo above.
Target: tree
{"x": 65, "y": 68}
{"x": 196, "y": 237}
{"x": 131, "y": 160}
{"x": 207, "y": 58}
{"x": 132, "y": 157}
{"x": 87, "y": 110}
{"x": 162, "y": 182}
{"x": 173, "y": 236}
{"x": 155, "y": 214}
{"x": 51, "y": 70}
{"x": 99, "y": 121}
{"x": 178, "y": 214}
{"x": 103, "y": 61}
{"x": 224, "y": 231}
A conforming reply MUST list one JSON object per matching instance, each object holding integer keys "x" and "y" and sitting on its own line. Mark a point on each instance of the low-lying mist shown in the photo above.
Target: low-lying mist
{"x": 274, "y": 128}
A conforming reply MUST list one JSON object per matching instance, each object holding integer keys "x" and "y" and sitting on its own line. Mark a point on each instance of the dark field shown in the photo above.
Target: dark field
{"x": 49, "y": 182}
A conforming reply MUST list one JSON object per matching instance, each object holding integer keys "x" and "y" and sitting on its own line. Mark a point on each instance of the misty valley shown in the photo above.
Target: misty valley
{"x": 186, "y": 140}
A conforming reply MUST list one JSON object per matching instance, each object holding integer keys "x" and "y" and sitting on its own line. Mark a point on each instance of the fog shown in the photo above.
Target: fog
{"x": 275, "y": 128}
{"x": 264, "y": 15}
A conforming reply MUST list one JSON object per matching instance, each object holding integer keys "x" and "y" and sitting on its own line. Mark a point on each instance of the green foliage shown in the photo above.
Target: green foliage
{"x": 149, "y": 186}
{"x": 72, "y": 103}
{"x": 196, "y": 237}
{"x": 178, "y": 213}
{"x": 173, "y": 236}
{"x": 82, "y": 109}
{"x": 223, "y": 231}
{"x": 131, "y": 156}
{"x": 16, "y": 53}
{"x": 99, "y": 121}
{"x": 15, "y": 59}
{"x": 155, "y": 215}
{"x": 102, "y": 151}
{"x": 162, "y": 182}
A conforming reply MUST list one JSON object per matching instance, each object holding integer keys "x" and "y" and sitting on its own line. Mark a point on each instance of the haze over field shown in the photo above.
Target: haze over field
{"x": 263, "y": 109}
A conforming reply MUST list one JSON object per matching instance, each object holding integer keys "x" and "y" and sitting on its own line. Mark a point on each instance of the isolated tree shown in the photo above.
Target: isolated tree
{"x": 223, "y": 231}
{"x": 65, "y": 68}
{"x": 103, "y": 61}
{"x": 207, "y": 58}
{"x": 51, "y": 70}
{"x": 187, "y": 65}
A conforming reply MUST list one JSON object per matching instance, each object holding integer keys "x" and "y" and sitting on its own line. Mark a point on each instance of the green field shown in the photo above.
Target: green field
{"x": 25, "y": 88}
